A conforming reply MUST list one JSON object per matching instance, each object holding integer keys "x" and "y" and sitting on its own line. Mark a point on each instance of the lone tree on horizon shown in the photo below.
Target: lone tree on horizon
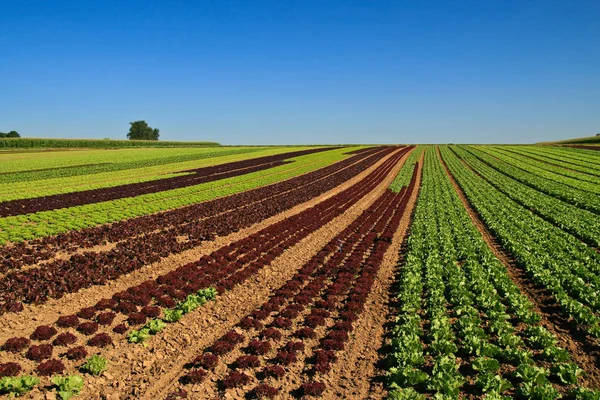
{"x": 11, "y": 134}
{"x": 139, "y": 130}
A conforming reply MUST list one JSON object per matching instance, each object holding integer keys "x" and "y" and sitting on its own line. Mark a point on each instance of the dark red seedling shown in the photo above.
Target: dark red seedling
{"x": 313, "y": 321}
{"x": 87, "y": 313}
{"x": 193, "y": 377}
{"x": 273, "y": 371}
{"x": 235, "y": 379}
{"x": 88, "y": 328}
{"x": 305, "y": 333}
{"x": 136, "y": 319}
{"x": 106, "y": 304}
{"x": 105, "y": 318}
{"x": 16, "y": 344}
{"x": 245, "y": 362}
{"x": 100, "y": 340}
{"x": 67, "y": 321}
{"x": 249, "y": 323}
{"x": 221, "y": 347}
{"x": 43, "y": 333}
{"x": 10, "y": 369}
{"x": 283, "y": 323}
{"x": 39, "y": 353}
{"x": 121, "y": 328}
{"x": 77, "y": 353}
{"x": 50, "y": 367}
{"x": 293, "y": 347}
{"x": 207, "y": 361}
{"x": 258, "y": 347}
{"x": 264, "y": 391}
{"x": 270, "y": 333}
{"x": 64, "y": 339}
{"x": 166, "y": 302}
{"x": 126, "y": 307}
{"x": 285, "y": 357}
{"x": 233, "y": 337}
{"x": 151, "y": 311}
{"x": 313, "y": 388}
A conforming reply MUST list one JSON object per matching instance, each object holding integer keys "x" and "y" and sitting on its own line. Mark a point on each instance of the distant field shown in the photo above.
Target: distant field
{"x": 583, "y": 140}
{"x": 435, "y": 271}
{"x": 39, "y": 143}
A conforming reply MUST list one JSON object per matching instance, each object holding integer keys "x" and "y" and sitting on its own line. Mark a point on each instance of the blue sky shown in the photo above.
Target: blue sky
{"x": 287, "y": 71}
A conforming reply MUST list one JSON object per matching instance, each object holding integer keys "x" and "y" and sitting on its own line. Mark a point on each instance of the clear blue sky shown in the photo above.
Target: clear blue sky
{"x": 302, "y": 71}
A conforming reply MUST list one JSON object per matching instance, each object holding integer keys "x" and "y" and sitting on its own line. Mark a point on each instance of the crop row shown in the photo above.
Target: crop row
{"x": 588, "y": 167}
{"x": 194, "y": 177}
{"x": 58, "y": 277}
{"x": 34, "y": 168}
{"x": 463, "y": 328}
{"x": 45, "y": 248}
{"x": 552, "y": 258}
{"x": 404, "y": 177}
{"x": 46, "y": 223}
{"x": 581, "y": 223}
{"x": 580, "y": 180}
{"x": 224, "y": 269}
{"x": 575, "y": 196}
{"x": 52, "y": 186}
{"x": 310, "y": 318}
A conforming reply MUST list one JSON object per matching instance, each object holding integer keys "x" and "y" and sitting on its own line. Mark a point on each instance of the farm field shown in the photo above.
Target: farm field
{"x": 335, "y": 272}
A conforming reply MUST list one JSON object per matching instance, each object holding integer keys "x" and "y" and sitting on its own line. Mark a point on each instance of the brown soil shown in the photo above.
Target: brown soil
{"x": 354, "y": 375}
{"x": 584, "y": 351}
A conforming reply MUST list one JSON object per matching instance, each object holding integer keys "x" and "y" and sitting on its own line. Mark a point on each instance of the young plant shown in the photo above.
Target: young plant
{"x": 135, "y": 336}
{"x": 16, "y": 386}
{"x": 68, "y": 386}
{"x": 94, "y": 365}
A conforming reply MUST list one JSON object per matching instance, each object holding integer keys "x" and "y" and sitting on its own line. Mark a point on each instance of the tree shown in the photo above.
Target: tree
{"x": 11, "y": 134}
{"x": 139, "y": 130}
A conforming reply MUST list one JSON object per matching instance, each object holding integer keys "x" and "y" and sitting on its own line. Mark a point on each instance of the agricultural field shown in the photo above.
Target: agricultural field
{"x": 334, "y": 272}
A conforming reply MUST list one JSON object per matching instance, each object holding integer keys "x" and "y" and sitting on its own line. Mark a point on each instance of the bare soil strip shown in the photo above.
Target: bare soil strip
{"x": 206, "y": 325}
{"x": 353, "y": 374}
{"x": 584, "y": 351}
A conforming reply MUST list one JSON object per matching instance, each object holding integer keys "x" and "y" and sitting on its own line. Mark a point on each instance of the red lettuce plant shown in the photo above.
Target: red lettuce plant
{"x": 10, "y": 369}
{"x": 193, "y": 377}
{"x": 235, "y": 379}
{"x": 67, "y": 321}
{"x": 43, "y": 332}
{"x": 77, "y": 353}
{"x": 88, "y": 328}
{"x": 16, "y": 344}
{"x": 100, "y": 340}
{"x": 64, "y": 339}
{"x": 39, "y": 353}
{"x": 50, "y": 367}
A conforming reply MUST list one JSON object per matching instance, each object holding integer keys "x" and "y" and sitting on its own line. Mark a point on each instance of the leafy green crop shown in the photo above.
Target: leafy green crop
{"x": 95, "y": 365}
{"x": 16, "y": 386}
{"x": 68, "y": 386}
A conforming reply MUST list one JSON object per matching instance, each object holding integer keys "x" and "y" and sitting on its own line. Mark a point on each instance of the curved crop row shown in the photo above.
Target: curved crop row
{"x": 194, "y": 177}
{"x": 577, "y": 197}
{"x": 12, "y": 257}
{"x": 581, "y": 223}
{"x": 310, "y": 318}
{"x": 173, "y": 294}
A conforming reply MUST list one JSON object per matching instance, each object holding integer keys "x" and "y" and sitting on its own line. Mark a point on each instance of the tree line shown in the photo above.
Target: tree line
{"x": 11, "y": 134}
